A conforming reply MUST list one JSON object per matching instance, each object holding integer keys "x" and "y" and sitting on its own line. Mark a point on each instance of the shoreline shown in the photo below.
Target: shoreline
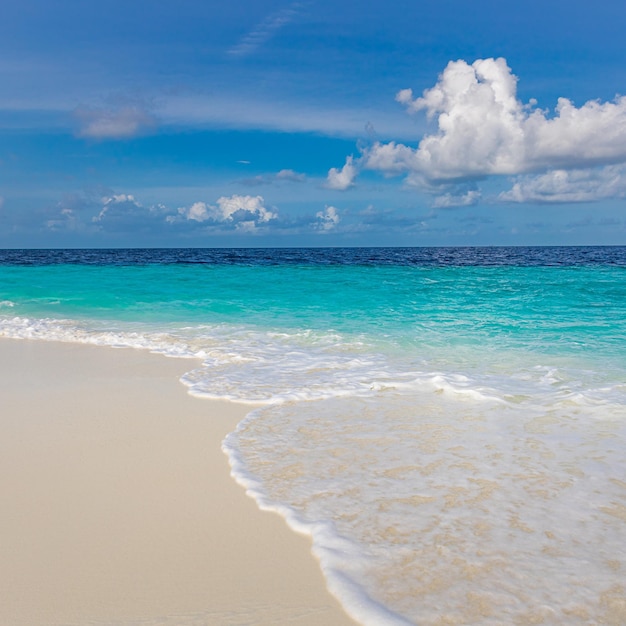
{"x": 119, "y": 507}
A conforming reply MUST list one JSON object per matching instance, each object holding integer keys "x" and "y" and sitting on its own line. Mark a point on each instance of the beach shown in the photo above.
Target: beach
{"x": 118, "y": 504}
{"x": 440, "y": 433}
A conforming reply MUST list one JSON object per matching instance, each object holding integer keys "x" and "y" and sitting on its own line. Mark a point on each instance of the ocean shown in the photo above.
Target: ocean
{"x": 447, "y": 424}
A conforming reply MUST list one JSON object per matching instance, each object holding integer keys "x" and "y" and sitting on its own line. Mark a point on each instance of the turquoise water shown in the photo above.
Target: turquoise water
{"x": 447, "y": 424}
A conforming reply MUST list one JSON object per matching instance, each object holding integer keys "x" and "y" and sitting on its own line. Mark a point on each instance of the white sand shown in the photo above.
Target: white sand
{"x": 117, "y": 506}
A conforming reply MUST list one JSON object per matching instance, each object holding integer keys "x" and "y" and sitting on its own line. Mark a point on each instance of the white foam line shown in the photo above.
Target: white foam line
{"x": 66, "y": 331}
{"x": 328, "y": 545}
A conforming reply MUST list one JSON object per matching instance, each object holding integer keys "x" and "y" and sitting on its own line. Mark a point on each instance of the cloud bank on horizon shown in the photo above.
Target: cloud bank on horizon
{"x": 235, "y": 215}
{"x": 484, "y": 130}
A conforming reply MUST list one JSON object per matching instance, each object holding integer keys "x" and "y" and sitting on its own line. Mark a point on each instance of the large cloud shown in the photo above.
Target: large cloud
{"x": 483, "y": 129}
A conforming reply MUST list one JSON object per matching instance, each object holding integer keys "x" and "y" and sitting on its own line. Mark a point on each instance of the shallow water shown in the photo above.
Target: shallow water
{"x": 448, "y": 424}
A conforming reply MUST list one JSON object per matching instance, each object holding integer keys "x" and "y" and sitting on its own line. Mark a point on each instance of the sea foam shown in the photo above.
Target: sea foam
{"x": 444, "y": 508}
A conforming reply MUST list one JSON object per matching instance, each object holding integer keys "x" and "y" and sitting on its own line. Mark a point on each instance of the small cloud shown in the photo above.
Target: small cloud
{"x": 122, "y": 122}
{"x": 64, "y": 220}
{"x": 197, "y": 212}
{"x": 327, "y": 219}
{"x": 269, "y": 179}
{"x": 291, "y": 175}
{"x": 245, "y": 213}
{"x": 560, "y": 186}
{"x": 122, "y": 212}
{"x": 265, "y": 30}
{"x": 449, "y": 200}
{"x": 243, "y": 162}
{"x": 118, "y": 198}
{"x": 248, "y": 226}
{"x": 231, "y": 206}
{"x": 127, "y": 200}
{"x": 342, "y": 179}
{"x": 255, "y": 181}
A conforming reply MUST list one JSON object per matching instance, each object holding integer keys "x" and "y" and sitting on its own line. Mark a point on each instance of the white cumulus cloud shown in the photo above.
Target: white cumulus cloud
{"x": 246, "y": 213}
{"x": 449, "y": 200}
{"x": 254, "y": 206}
{"x": 587, "y": 185}
{"x": 197, "y": 212}
{"x": 328, "y": 219}
{"x": 291, "y": 175}
{"x": 342, "y": 178}
{"x": 483, "y": 129}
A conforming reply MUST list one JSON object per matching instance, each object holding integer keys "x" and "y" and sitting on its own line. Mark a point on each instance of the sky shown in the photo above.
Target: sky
{"x": 259, "y": 123}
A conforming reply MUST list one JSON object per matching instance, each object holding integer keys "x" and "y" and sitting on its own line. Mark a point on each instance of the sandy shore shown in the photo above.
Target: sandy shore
{"x": 118, "y": 507}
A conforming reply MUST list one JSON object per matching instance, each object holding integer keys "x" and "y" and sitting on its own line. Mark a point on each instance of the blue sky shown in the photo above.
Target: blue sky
{"x": 311, "y": 122}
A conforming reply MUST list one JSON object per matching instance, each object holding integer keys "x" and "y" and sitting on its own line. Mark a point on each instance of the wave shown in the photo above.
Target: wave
{"x": 430, "y": 489}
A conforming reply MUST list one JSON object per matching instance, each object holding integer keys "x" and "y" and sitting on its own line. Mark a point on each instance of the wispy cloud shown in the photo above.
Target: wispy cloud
{"x": 265, "y": 30}
{"x": 117, "y": 122}
{"x": 280, "y": 112}
{"x": 288, "y": 176}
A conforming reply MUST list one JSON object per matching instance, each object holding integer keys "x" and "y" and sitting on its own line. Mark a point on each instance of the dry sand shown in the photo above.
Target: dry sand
{"x": 117, "y": 506}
